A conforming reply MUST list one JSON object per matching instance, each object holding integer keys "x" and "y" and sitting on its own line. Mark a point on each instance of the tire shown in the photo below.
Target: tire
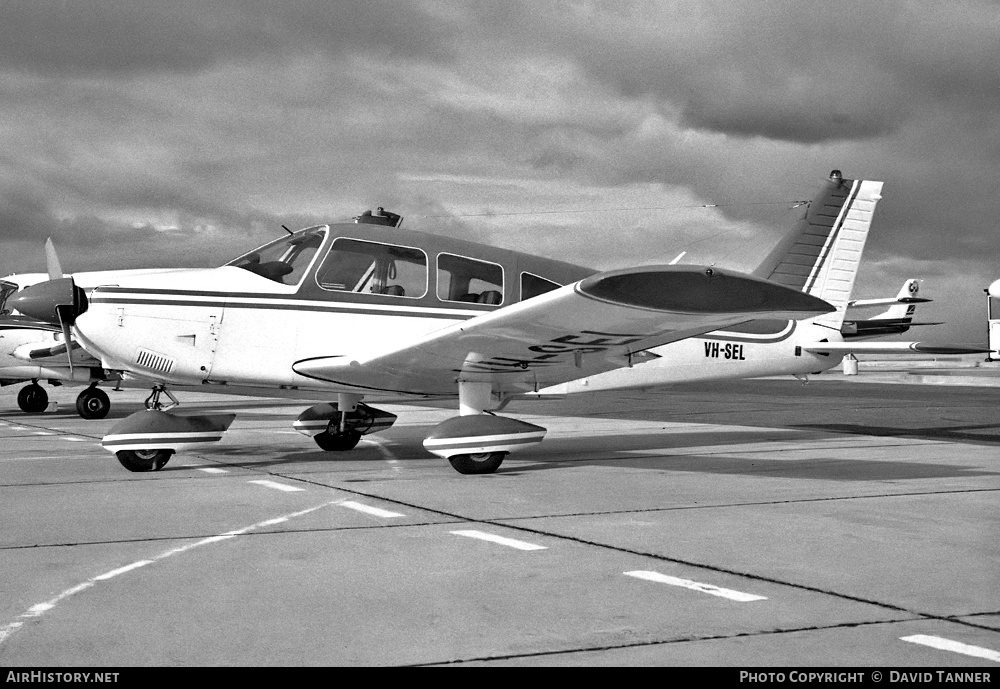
{"x": 93, "y": 403}
{"x": 339, "y": 442}
{"x": 144, "y": 460}
{"x": 479, "y": 463}
{"x": 32, "y": 399}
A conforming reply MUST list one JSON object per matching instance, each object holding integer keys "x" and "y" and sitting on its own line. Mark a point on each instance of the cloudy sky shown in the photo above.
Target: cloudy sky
{"x": 140, "y": 133}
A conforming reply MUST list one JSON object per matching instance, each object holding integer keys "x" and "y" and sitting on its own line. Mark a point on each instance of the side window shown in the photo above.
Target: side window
{"x": 469, "y": 280}
{"x": 532, "y": 286}
{"x": 372, "y": 268}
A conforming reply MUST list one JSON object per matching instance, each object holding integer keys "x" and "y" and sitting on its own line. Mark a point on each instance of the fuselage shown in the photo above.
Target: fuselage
{"x": 350, "y": 289}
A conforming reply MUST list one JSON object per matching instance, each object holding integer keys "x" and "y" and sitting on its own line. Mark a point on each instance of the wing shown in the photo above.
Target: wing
{"x": 893, "y": 348}
{"x": 594, "y": 325}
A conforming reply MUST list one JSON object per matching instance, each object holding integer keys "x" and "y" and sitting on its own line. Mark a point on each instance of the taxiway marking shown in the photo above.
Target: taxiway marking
{"x": 277, "y": 486}
{"x": 368, "y": 509}
{"x": 41, "y": 608}
{"x": 493, "y": 538}
{"x": 212, "y": 470}
{"x": 943, "y": 644}
{"x": 739, "y": 596}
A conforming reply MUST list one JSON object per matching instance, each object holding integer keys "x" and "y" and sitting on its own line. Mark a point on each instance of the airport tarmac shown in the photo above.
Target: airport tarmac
{"x": 754, "y": 523}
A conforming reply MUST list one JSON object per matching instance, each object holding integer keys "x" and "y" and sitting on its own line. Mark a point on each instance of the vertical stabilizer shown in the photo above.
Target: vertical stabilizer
{"x": 822, "y": 257}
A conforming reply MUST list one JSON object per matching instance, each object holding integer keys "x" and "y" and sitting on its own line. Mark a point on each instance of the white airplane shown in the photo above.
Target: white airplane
{"x": 895, "y": 320}
{"x": 365, "y": 313}
{"x": 32, "y": 350}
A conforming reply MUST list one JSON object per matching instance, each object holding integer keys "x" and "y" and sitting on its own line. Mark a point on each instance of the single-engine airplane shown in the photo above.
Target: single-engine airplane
{"x": 33, "y": 350}
{"x": 376, "y": 313}
{"x": 895, "y": 320}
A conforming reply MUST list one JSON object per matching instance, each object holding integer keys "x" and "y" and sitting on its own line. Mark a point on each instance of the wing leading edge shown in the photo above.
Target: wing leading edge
{"x": 597, "y": 324}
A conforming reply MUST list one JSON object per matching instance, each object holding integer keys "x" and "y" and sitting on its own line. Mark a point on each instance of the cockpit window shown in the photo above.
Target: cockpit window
{"x": 7, "y": 289}
{"x": 284, "y": 260}
{"x": 466, "y": 279}
{"x": 373, "y": 268}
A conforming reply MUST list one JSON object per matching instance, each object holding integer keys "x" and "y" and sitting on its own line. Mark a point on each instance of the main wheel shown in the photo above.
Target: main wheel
{"x": 479, "y": 463}
{"x": 93, "y": 403}
{"x": 337, "y": 442}
{"x": 144, "y": 460}
{"x": 32, "y": 399}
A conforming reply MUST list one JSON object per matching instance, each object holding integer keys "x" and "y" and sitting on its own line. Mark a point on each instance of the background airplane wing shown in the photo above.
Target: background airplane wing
{"x": 603, "y": 322}
{"x": 893, "y": 348}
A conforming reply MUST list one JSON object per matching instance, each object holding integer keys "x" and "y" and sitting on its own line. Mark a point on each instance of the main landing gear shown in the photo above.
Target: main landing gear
{"x": 476, "y": 442}
{"x": 93, "y": 403}
{"x": 32, "y": 399}
{"x": 338, "y": 441}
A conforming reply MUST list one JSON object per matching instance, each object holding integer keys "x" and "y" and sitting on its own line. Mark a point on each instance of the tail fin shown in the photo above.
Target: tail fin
{"x": 906, "y": 303}
{"x": 821, "y": 257}
{"x": 895, "y": 320}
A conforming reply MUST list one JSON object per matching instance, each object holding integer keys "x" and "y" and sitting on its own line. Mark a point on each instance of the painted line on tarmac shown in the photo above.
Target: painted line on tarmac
{"x": 212, "y": 470}
{"x": 493, "y": 538}
{"x": 368, "y": 509}
{"x": 41, "y": 608}
{"x": 738, "y": 596}
{"x": 75, "y": 440}
{"x": 943, "y": 644}
{"x": 277, "y": 486}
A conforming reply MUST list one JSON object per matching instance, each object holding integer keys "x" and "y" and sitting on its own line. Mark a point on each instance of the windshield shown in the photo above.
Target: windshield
{"x": 284, "y": 260}
{"x": 6, "y": 290}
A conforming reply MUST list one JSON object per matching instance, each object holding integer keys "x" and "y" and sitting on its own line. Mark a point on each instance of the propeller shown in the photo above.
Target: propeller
{"x": 58, "y": 301}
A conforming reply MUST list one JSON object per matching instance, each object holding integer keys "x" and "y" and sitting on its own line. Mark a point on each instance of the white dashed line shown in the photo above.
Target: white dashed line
{"x": 121, "y": 570}
{"x": 696, "y": 586}
{"x": 41, "y": 608}
{"x": 277, "y": 486}
{"x": 75, "y": 440}
{"x": 41, "y": 433}
{"x": 212, "y": 470}
{"x": 367, "y": 509}
{"x": 493, "y": 538}
{"x": 953, "y": 646}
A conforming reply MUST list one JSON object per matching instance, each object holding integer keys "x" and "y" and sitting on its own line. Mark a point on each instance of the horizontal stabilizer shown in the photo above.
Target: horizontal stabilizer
{"x": 893, "y": 348}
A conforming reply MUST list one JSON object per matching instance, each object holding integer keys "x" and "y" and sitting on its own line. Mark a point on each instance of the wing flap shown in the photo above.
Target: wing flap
{"x": 594, "y": 325}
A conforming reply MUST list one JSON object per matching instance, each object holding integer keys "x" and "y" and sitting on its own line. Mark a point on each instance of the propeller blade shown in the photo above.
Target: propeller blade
{"x": 52, "y": 260}
{"x": 67, "y": 337}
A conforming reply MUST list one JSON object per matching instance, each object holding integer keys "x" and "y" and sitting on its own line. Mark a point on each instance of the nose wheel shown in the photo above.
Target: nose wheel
{"x": 93, "y": 403}
{"x": 478, "y": 463}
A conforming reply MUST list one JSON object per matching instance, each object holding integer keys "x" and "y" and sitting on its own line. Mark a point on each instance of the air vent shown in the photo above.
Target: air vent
{"x": 157, "y": 362}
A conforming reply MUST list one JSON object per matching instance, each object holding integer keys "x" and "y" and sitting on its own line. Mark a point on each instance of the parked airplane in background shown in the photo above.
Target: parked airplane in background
{"x": 377, "y": 313}
{"x": 895, "y": 320}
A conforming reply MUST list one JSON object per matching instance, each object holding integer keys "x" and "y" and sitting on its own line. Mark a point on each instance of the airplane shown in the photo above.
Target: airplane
{"x": 895, "y": 320}
{"x": 377, "y": 313}
{"x": 32, "y": 350}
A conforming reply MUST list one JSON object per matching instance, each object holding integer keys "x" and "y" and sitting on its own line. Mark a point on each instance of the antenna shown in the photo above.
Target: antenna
{"x": 287, "y": 230}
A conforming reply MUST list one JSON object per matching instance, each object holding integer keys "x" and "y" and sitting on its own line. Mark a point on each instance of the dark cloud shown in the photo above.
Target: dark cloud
{"x": 141, "y": 36}
{"x": 141, "y": 133}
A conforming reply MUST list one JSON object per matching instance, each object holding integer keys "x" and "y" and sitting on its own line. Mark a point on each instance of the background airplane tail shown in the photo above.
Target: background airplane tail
{"x": 822, "y": 257}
